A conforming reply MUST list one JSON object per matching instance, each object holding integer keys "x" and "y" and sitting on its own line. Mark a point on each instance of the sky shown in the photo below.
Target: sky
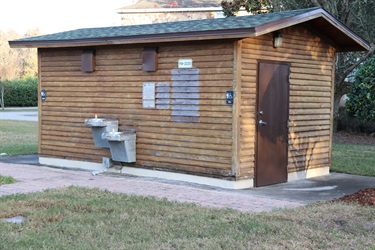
{"x": 52, "y": 16}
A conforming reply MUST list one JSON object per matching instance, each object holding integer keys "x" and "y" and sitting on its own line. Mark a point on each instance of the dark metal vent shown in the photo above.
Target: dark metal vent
{"x": 88, "y": 60}
{"x": 150, "y": 59}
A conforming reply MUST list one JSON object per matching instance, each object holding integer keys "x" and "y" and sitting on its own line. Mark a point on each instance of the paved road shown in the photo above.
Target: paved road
{"x": 13, "y": 114}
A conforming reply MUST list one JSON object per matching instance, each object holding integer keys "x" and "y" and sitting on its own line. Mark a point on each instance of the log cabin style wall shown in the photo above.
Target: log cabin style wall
{"x": 190, "y": 129}
{"x": 310, "y": 99}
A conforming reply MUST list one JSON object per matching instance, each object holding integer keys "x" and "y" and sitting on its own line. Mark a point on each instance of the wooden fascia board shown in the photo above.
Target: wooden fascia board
{"x": 158, "y": 38}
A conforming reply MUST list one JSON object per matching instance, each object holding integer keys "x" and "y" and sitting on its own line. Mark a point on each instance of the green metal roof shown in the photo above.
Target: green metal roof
{"x": 221, "y": 28}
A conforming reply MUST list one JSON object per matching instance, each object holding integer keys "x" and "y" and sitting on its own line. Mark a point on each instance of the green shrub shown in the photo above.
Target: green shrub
{"x": 21, "y": 92}
{"x": 354, "y": 125}
{"x": 361, "y": 103}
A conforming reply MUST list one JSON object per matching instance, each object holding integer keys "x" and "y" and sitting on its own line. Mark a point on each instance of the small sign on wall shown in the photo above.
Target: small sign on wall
{"x": 148, "y": 97}
{"x": 185, "y": 63}
{"x": 43, "y": 95}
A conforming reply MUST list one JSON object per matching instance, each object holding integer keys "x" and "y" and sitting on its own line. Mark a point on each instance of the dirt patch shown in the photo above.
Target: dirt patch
{"x": 343, "y": 137}
{"x": 363, "y": 197}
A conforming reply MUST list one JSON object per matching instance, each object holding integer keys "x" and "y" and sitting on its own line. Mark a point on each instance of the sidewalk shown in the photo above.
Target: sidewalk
{"x": 38, "y": 178}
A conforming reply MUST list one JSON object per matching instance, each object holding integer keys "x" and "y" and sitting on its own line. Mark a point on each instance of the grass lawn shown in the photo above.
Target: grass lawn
{"x": 18, "y": 137}
{"x": 353, "y": 159}
{"x": 6, "y": 180}
{"x": 81, "y": 218}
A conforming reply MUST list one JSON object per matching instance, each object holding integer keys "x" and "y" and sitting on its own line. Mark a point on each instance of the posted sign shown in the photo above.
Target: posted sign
{"x": 185, "y": 63}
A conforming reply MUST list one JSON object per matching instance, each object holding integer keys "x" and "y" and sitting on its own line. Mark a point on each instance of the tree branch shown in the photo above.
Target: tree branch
{"x": 355, "y": 65}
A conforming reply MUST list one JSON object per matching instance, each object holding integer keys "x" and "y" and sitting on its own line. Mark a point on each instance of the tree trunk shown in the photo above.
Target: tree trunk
{"x": 2, "y": 97}
{"x": 336, "y": 107}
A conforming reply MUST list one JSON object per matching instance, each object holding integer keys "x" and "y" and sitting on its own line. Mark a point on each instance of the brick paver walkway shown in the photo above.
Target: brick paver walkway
{"x": 38, "y": 178}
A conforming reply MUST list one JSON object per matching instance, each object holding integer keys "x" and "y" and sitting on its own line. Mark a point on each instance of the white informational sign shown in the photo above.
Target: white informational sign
{"x": 148, "y": 97}
{"x": 185, "y": 63}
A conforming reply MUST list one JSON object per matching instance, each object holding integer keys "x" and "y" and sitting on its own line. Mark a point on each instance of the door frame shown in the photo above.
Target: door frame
{"x": 258, "y": 62}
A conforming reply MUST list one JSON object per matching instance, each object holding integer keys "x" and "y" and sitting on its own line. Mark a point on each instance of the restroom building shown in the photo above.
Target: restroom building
{"x": 233, "y": 102}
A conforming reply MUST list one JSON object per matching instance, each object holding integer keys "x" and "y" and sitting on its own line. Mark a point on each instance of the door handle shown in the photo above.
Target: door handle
{"x": 262, "y": 123}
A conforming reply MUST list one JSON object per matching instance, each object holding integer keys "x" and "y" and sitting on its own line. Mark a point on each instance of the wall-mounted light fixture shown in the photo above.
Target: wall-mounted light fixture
{"x": 277, "y": 39}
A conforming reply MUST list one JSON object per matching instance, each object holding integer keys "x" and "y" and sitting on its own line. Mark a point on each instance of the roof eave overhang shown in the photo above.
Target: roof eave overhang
{"x": 345, "y": 30}
{"x": 156, "y": 38}
{"x": 357, "y": 44}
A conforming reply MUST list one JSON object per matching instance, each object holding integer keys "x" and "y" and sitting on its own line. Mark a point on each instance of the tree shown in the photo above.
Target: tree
{"x": 174, "y": 3}
{"x": 2, "y": 94}
{"x": 17, "y": 63}
{"x": 230, "y": 8}
{"x": 359, "y": 15}
{"x": 4, "y": 89}
{"x": 361, "y": 102}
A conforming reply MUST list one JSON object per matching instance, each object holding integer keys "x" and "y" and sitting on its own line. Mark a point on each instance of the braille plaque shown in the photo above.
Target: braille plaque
{"x": 148, "y": 98}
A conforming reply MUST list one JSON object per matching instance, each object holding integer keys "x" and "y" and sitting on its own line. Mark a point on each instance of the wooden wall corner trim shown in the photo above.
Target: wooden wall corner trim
{"x": 236, "y": 117}
{"x": 39, "y": 101}
{"x": 332, "y": 105}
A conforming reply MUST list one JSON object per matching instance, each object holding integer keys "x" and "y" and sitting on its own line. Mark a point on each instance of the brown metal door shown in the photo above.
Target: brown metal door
{"x": 272, "y": 123}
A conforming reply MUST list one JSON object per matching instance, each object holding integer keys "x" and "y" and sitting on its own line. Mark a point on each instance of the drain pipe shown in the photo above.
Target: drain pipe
{"x": 106, "y": 163}
{"x": 98, "y": 172}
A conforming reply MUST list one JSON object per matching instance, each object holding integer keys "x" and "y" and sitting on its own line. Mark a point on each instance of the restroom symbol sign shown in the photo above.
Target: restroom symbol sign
{"x": 229, "y": 97}
{"x": 43, "y": 95}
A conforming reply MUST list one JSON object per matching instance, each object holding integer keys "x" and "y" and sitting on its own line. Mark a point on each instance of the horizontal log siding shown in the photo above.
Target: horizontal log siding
{"x": 114, "y": 90}
{"x": 310, "y": 97}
